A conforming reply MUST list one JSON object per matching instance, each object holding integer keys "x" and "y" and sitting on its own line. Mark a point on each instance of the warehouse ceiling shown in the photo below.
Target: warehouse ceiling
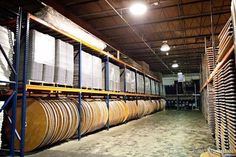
{"x": 184, "y": 24}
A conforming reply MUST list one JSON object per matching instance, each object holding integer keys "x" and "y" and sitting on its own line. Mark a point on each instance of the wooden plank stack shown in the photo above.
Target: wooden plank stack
{"x": 226, "y": 39}
{"x": 225, "y": 95}
{"x": 211, "y": 108}
{"x": 225, "y": 103}
{"x": 211, "y": 59}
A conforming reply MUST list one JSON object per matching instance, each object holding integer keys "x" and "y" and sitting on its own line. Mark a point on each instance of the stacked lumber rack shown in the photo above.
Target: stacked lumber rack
{"x": 222, "y": 93}
{"x": 27, "y": 21}
{"x": 11, "y": 87}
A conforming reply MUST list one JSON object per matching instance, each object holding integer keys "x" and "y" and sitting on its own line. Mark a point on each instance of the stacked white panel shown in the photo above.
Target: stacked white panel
{"x": 117, "y": 78}
{"x": 114, "y": 77}
{"x": 111, "y": 76}
{"x": 69, "y": 64}
{"x": 5, "y": 41}
{"x": 35, "y": 61}
{"x": 147, "y": 85}
{"x": 86, "y": 69}
{"x": 60, "y": 62}
{"x": 76, "y": 70}
{"x": 140, "y": 83}
{"x": 125, "y": 80}
{"x": 97, "y": 72}
{"x": 48, "y": 56}
{"x": 132, "y": 82}
{"x": 153, "y": 87}
{"x": 157, "y": 88}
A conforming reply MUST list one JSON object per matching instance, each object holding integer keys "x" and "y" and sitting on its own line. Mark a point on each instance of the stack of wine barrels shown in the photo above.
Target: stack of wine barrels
{"x": 47, "y": 121}
{"x": 52, "y": 120}
{"x": 118, "y": 112}
{"x": 94, "y": 115}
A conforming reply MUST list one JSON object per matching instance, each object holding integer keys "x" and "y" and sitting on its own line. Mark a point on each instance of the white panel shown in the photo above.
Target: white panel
{"x": 86, "y": 69}
{"x": 60, "y": 62}
{"x": 147, "y": 85}
{"x": 48, "y": 55}
{"x": 5, "y": 71}
{"x": 69, "y": 64}
{"x": 97, "y": 72}
{"x": 140, "y": 83}
{"x": 132, "y": 82}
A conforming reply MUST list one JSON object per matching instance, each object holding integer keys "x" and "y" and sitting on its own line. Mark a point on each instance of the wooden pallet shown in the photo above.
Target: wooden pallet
{"x": 40, "y": 83}
{"x": 87, "y": 88}
{"x": 63, "y": 85}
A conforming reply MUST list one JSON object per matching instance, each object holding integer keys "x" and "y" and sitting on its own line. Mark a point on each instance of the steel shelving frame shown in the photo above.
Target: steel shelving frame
{"x": 26, "y": 18}
{"x": 11, "y": 100}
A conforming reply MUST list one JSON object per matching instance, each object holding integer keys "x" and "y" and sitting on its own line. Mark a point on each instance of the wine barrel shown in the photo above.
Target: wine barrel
{"x": 141, "y": 108}
{"x": 47, "y": 121}
{"x": 158, "y": 105}
{"x": 133, "y": 110}
{"x": 99, "y": 115}
{"x": 118, "y": 112}
{"x": 162, "y": 104}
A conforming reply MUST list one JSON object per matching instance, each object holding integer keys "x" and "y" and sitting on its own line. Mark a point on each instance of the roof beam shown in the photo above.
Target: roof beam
{"x": 170, "y": 38}
{"x": 76, "y": 3}
{"x": 201, "y": 45}
{"x": 165, "y": 20}
{"x": 160, "y": 32}
{"x": 171, "y": 57}
{"x": 183, "y": 54}
{"x": 102, "y": 14}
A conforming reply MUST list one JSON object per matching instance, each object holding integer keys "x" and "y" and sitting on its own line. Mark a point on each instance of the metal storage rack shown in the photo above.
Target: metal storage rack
{"x": 13, "y": 90}
{"x": 24, "y": 20}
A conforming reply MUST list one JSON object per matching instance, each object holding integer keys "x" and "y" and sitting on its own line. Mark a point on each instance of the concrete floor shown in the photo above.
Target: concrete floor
{"x": 164, "y": 134}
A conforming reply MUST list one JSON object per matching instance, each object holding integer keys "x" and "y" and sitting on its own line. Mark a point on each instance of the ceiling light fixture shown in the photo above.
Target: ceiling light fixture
{"x": 156, "y": 3}
{"x": 165, "y": 47}
{"x": 175, "y": 65}
{"x": 138, "y": 8}
{"x": 167, "y": 53}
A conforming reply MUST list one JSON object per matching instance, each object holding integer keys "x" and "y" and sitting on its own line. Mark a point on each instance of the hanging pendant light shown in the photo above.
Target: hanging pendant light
{"x": 165, "y": 47}
{"x": 138, "y": 8}
{"x": 175, "y": 65}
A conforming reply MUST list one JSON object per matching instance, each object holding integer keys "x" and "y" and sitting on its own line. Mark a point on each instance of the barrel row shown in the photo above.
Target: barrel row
{"x": 49, "y": 121}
